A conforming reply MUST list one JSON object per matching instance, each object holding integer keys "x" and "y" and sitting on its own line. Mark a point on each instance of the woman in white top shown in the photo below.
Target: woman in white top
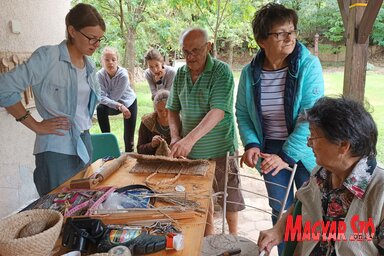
{"x": 63, "y": 80}
{"x": 117, "y": 96}
{"x": 158, "y": 75}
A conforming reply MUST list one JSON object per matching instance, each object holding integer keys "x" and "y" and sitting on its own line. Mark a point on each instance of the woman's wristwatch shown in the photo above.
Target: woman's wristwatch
{"x": 119, "y": 107}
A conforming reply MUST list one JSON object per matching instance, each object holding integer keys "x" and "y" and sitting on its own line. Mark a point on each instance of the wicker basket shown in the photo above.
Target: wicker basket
{"x": 38, "y": 244}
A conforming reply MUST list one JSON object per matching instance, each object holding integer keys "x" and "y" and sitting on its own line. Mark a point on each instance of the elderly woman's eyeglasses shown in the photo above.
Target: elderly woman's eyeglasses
{"x": 194, "y": 52}
{"x": 310, "y": 139}
{"x": 283, "y": 35}
{"x": 93, "y": 40}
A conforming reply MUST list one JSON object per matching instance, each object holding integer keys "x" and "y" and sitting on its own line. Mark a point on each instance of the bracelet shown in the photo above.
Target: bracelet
{"x": 23, "y": 117}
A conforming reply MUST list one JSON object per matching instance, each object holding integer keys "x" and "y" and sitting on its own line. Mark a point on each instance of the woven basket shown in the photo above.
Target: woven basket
{"x": 38, "y": 244}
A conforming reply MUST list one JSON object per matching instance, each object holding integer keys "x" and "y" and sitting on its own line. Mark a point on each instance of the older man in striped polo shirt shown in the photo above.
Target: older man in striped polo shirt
{"x": 201, "y": 117}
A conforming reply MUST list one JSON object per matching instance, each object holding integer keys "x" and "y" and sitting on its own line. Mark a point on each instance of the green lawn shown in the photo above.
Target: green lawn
{"x": 374, "y": 95}
{"x": 333, "y": 86}
{"x": 145, "y": 106}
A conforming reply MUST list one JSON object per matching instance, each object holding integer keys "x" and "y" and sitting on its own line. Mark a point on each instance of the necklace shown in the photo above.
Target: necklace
{"x": 163, "y": 129}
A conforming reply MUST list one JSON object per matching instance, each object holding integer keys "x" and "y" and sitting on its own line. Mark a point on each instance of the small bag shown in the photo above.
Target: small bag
{"x": 79, "y": 232}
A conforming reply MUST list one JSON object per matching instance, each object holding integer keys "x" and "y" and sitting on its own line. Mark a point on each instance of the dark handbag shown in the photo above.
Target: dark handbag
{"x": 79, "y": 232}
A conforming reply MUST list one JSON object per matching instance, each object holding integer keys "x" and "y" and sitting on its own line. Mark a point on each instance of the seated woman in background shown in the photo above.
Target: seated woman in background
{"x": 154, "y": 128}
{"x": 158, "y": 75}
{"x": 347, "y": 182}
{"x": 117, "y": 96}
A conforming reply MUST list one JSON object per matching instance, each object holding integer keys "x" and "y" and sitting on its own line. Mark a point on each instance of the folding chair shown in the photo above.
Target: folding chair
{"x": 104, "y": 144}
{"x": 226, "y": 187}
{"x": 226, "y": 243}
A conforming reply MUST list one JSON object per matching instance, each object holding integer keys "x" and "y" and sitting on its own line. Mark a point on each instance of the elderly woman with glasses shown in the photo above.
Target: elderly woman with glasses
{"x": 154, "y": 127}
{"x": 346, "y": 184}
{"x": 281, "y": 81}
{"x": 63, "y": 80}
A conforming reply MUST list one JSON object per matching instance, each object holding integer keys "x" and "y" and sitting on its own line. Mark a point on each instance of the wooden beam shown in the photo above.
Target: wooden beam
{"x": 344, "y": 11}
{"x": 356, "y": 55}
{"x": 367, "y": 20}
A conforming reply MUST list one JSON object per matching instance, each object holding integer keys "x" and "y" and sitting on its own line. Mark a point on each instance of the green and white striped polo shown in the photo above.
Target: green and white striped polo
{"x": 213, "y": 89}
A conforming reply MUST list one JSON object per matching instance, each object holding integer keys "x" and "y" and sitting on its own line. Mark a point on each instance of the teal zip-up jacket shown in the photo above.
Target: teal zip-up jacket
{"x": 304, "y": 85}
{"x": 53, "y": 79}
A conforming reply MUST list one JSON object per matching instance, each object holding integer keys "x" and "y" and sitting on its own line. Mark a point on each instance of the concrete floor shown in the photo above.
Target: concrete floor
{"x": 251, "y": 221}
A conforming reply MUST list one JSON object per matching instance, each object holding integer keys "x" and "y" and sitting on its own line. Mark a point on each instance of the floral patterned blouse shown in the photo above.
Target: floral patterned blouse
{"x": 336, "y": 202}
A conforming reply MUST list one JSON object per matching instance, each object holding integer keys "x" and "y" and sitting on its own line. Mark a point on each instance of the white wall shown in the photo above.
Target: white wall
{"x": 39, "y": 22}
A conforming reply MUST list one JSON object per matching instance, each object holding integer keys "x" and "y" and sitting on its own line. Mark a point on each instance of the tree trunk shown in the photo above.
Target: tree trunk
{"x": 214, "y": 48}
{"x": 230, "y": 57}
{"x": 129, "y": 55}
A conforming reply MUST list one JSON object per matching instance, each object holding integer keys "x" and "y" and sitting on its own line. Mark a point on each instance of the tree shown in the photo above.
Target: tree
{"x": 223, "y": 13}
{"x": 134, "y": 26}
{"x": 164, "y": 24}
{"x": 237, "y": 30}
{"x": 128, "y": 15}
{"x": 378, "y": 29}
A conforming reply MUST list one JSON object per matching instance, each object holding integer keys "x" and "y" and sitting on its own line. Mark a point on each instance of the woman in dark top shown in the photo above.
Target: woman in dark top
{"x": 154, "y": 127}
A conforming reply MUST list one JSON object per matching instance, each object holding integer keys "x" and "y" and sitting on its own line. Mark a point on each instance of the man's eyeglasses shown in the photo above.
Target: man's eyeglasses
{"x": 93, "y": 40}
{"x": 194, "y": 52}
{"x": 283, "y": 35}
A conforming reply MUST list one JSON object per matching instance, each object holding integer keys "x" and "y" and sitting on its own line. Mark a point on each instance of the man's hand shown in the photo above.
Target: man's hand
{"x": 250, "y": 157}
{"x": 173, "y": 141}
{"x": 182, "y": 147}
{"x": 272, "y": 161}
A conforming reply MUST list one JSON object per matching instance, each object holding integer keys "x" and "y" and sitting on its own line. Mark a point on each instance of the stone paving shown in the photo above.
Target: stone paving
{"x": 251, "y": 221}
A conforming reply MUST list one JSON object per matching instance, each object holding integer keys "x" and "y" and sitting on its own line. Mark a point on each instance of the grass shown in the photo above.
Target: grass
{"x": 144, "y": 106}
{"x": 333, "y": 86}
{"x": 374, "y": 95}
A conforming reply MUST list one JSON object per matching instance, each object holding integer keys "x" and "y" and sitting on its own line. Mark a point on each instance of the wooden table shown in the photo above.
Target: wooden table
{"x": 192, "y": 228}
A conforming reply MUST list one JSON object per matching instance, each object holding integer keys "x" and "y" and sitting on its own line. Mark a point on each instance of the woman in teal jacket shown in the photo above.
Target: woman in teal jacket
{"x": 281, "y": 81}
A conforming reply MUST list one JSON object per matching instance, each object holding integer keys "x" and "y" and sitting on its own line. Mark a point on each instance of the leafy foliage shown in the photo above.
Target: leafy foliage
{"x": 134, "y": 26}
{"x": 378, "y": 29}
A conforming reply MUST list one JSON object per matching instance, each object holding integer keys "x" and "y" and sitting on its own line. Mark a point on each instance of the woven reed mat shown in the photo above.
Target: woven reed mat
{"x": 163, "y": 164}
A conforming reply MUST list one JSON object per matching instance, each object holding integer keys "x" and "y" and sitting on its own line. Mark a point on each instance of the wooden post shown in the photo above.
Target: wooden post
{"x": 358, "y": 18}
{"x": 356, "y": 54}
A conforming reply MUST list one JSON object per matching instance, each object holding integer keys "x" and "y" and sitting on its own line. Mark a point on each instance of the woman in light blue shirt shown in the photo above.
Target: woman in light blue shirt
{"x": 66, "y": 92}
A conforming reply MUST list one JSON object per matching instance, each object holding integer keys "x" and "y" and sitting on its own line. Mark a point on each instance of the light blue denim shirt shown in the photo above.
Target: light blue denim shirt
{"x": 54, "y": 83}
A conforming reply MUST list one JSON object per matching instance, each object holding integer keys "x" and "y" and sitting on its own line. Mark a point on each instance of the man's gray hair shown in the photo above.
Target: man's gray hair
{"x": 161, "y": 95}
{"x": 187, "y": 31}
